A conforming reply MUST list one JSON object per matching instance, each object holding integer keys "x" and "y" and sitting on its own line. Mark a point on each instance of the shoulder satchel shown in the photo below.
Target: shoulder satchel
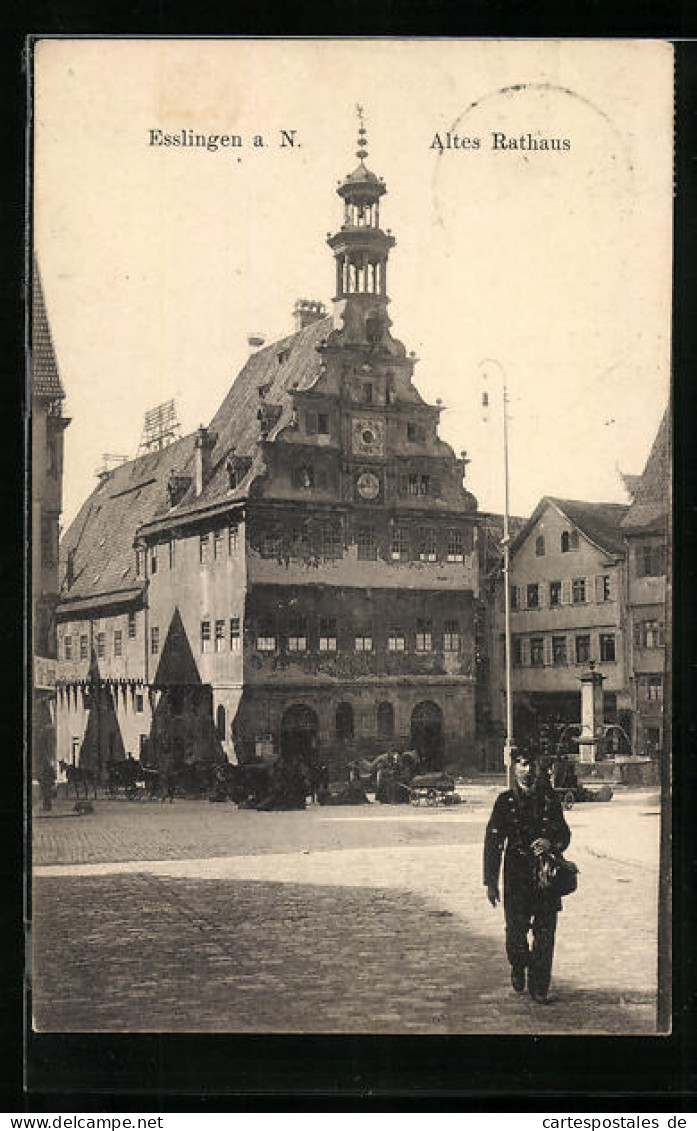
{"x": 556, "y": 875}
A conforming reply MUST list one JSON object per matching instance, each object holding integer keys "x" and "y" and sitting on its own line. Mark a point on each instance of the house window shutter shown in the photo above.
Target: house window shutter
{"x": 589, "y": 590}
{"x": 599, "y": 587}
{"x": 566, "y": 592}
{"x": 638, "y": 633}
{"x": 571, "y": 649}
{"x": 525, "y": 651}
{"x": 548, "y": 651}
{"x": 542, "y": 589}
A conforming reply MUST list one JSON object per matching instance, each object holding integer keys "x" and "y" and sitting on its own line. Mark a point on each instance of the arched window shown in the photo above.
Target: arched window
{"x": 220, "y": 722}
{"x": 385, "y": 720}
{"x": 344, "y": 722}
{"x": 540, "y": 546}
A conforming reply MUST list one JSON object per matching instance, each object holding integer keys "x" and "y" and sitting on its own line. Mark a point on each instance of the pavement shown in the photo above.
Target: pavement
{"x": 199, "y": 917}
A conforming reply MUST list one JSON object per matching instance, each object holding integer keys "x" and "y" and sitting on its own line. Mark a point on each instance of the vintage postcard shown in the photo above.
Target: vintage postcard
{"x": 350, "y": 557}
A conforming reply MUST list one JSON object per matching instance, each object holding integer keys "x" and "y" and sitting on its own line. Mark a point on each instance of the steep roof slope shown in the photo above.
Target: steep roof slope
{"x": 135, "y": 494}
{"x": 46, "y": 382}
{"x": 290, "y": 363}
{"x": 600, "y": 522}
{"x": 102, "y": 534}
{"x": 649, "y": 508}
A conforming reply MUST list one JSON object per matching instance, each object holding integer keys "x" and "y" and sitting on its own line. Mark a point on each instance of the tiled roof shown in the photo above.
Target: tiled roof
{"x": 601, "y": 522}
{"x": 292, "y": 362}
{"x": 102, "y": 533}
{"x": 135, "y": 493}
{"x": 649, "y": 508}
{"x": 46, "y": 381}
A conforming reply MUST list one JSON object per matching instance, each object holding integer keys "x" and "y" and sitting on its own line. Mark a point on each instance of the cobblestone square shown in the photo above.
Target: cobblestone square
{"x": 196, "y": 917}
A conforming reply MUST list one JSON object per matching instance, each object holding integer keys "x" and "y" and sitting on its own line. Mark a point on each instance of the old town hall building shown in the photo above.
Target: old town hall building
{"x": 299, "y": 575}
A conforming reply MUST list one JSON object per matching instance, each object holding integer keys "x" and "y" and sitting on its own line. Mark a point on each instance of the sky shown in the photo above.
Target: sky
{"x": 549, "y": 269}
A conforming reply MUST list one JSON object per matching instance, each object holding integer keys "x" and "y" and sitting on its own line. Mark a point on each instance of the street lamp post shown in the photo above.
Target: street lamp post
{"x": 509, "y": 744}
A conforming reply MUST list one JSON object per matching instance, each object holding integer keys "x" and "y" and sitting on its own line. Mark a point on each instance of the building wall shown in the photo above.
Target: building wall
{"x": 47, "y": 503}
{"x": 47, "y": 428}
{"x": 108, "y": 725}
{"x": 645, "y": 632}
{"x": 112, "y": 722}
{"x": 190, "y": 594}
{"x": 601, "y": 613}
{"x": 263, "y": 708}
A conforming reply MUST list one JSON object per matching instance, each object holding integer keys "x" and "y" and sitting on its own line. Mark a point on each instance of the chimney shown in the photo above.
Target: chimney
{"x": 255, "y": 341}
{"x": 306, "y": 311}
{"x": 205, "y": 442}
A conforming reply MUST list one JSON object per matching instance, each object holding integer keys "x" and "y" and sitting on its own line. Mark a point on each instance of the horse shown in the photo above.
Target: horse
{"x": 77, "y": 776}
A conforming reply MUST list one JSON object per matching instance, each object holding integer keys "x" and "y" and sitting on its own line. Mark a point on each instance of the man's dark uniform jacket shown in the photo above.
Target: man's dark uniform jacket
{"x": 519, "y": 818}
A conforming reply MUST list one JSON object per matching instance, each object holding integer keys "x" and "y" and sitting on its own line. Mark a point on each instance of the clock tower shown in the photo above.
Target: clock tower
{"x": 361, "y": 249}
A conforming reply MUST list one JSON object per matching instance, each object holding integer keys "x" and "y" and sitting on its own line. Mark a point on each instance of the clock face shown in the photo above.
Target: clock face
{"x": 368, "y": 485}
{"x": 368, "y": 437}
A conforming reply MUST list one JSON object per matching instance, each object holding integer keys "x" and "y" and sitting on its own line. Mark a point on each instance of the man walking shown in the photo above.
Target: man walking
{"x": 527, "y": 821}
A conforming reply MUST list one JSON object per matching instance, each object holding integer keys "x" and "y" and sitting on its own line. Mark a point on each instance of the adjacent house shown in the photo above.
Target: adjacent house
{"x": 567, "y": 612}
{"x": 645, "y": 528}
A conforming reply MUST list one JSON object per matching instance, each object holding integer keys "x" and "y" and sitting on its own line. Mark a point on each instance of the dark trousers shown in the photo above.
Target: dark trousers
{"x": 521, "y": 917}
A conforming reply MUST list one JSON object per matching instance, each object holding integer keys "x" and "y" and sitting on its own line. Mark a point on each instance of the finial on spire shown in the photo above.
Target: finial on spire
{"x": 362, "y": 150}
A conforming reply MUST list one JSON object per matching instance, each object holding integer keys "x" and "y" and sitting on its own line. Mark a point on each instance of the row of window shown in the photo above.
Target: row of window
{"x": 306, "y": 476}
{"x": 650, "y": 558}
{"x": 568, "y": 542}
{"x": 575, "y": 591}
{"x": 100, "y": 642}
{"x": 224, "y": 635}
{"x": 213, "y": 546}
{"x": 422, "y": 545}
{"x": 557, "y": 651}
{"x": 317, "y": 423}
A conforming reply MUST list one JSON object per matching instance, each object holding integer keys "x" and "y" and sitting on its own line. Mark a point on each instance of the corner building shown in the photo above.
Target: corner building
{"x": 299, "y": 575}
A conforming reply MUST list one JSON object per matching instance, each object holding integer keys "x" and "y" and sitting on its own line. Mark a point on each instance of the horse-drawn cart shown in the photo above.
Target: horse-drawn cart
{"x": 433, "y": 789}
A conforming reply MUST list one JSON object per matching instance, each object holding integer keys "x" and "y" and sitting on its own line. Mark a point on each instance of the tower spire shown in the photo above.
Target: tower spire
{"x": 362, "y": 151}
{"x": 361, "y": 249}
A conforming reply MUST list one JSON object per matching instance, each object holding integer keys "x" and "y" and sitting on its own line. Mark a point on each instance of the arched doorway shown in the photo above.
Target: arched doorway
{"x": 344, "y": 722}
{"x": 385, "y": 720}
{"x": 299, "y": 734}
{"x": 427, "y": 736}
